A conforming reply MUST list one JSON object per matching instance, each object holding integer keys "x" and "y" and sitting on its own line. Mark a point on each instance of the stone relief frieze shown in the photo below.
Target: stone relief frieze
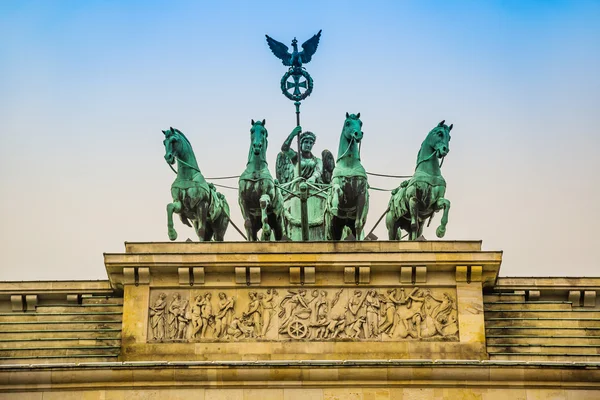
{"x": 347, "y": 314}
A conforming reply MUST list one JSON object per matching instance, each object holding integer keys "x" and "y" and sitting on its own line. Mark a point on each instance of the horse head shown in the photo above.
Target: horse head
{"x": 438, "y": 139}
{"x": 173, "y": 146}
{"x": 351, "y": 136}
{"x": 258, "y": 139}
{"x": 352, "y": 130}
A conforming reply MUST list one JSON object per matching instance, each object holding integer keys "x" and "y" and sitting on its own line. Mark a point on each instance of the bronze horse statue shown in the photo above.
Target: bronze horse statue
{"x": 260, "y": 200}
{"x": 193, "y": 198}
{"x": 348, "y": 201}
{"x": 422, "y": 195}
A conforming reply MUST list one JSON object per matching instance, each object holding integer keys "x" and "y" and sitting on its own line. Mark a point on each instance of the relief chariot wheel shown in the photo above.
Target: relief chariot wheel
{"x": 297, "y": 329}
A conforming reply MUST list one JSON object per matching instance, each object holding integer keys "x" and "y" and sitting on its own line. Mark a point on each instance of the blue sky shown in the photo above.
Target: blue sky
{"x": 86, "y": 87}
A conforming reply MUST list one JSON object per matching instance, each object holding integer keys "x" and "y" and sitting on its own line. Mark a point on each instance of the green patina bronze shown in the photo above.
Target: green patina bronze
{"x": 296, "y": 78}
{"x": 313, "y": 182}
{"x": 418, "y": 198}
{"x": 259, "y": 198}
{"x": 348, "y": 200}
{"x": 194, "y": 199}
{"x": 313, "y": 198}
{"x": 295, "y": 59}
{"x": 304, "y": 189}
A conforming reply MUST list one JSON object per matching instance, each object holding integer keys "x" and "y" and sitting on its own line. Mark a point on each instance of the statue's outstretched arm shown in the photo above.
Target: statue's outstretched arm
{"x": 286, "y": 147}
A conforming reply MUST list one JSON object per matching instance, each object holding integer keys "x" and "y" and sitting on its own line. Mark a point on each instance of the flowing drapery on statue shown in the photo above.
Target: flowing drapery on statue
{"x": 312, "y": 168}
{"x": 316, "y": 173}
{"x": 194, "y": 199}
{"x": 260, "y": 200}
{"x": 418, "y": 198}
{"x": 348, "y": 200}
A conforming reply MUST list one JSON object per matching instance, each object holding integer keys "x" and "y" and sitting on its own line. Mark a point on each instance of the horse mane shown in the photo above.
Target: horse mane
{"x": 183, "y": 136}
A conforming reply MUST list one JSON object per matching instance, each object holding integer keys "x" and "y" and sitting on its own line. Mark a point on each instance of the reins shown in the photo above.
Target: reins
{"x": 348, "y": 148}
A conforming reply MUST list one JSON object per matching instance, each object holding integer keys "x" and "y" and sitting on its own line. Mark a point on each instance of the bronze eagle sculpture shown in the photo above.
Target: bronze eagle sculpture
{"x": 294, "y": 59}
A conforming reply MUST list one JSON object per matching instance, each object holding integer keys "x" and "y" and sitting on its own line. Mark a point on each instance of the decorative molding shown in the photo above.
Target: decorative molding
{"x": 589, "y": 298}
{"x": 461, "y": 273}
{"x": 406, "y": 274}
{"x": 476, "y": 273}
{"x": 16, "y": 301}
{"x": 31, "y": 301}
{"x": 575, "y": 297}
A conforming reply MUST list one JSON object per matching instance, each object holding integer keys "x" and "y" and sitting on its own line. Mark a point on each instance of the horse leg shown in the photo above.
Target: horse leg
{"x": 337, "y": 227}
{"x": 174, "y": 207}
{"x": 197, "y": 226}
{"x": 264, "y": 217}
{"x": 208, "y": 234}
{"x": 251, "y": 226}
{"x": 249, "y": 223}
{"x": 329, "y": 221}
{"x": 247, "y": 216}
{"x": 277, "y": 225}
{"x": 445, "y": 204}
{"x": 390, "y": 224}
{"x": 200, "y": 223}
{"x": 413, "y": 206}
{"x": 221, "y": 227}
{"x": 362, "y": 207}
{"x": 334, "y": 200}
{"x": 394, "y": 232}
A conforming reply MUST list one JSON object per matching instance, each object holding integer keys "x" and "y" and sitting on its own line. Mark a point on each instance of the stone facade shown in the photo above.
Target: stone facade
{"x": 347, "y": 320}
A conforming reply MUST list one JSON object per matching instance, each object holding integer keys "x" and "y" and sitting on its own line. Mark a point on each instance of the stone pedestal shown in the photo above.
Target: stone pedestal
{"x": 303, "y": 301}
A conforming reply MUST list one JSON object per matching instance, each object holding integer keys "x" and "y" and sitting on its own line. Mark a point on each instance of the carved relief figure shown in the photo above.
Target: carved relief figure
{"x": 254, "y": 313}
{"x": 157, "y": 317}
{"x": 356, "y": 315}
{"x": 268, "y": 310}
{"x": 183, "y": 320}
{"x": 172, "y": 318}
{"x": 207, "y": 313}
{"x": 196, "y": 318}
{"x": 436, "y": 313}
{"x": 372, "y": 305}
{"x": 295, "y": 312}
{"x": 388, "y": 325}
{"x": 224, "y": 316}
{"x": 445, "y": 323}
{"x": 410, "y": 316}
{"x": 239, "y": 328}
{"x": 336, "y": 326}
{"x": 292, "y": 304}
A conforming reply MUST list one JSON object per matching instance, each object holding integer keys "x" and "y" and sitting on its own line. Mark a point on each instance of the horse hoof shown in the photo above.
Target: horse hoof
{"x": 440, "y": 231}
{"x": 172, "y": 234}
{"x": 266, "y": 236}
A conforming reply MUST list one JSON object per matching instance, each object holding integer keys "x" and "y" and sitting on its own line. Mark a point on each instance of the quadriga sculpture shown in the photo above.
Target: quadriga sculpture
{"x": 348, "y": 201}
{"x": 261, "y": 202}
{"x": 193, "y": 198}
{"x": 420, "y": 197}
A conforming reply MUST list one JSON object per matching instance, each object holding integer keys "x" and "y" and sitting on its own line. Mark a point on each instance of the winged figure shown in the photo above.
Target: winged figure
{"x": 294, "y": 59}
{"x": 312, "y": 168}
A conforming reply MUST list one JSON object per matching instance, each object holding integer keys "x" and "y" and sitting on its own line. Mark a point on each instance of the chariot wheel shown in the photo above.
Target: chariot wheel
{"x": 297, "y": 330}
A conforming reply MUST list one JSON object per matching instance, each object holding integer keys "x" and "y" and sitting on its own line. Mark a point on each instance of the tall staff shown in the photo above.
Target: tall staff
{"x": 297, "y": 85}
